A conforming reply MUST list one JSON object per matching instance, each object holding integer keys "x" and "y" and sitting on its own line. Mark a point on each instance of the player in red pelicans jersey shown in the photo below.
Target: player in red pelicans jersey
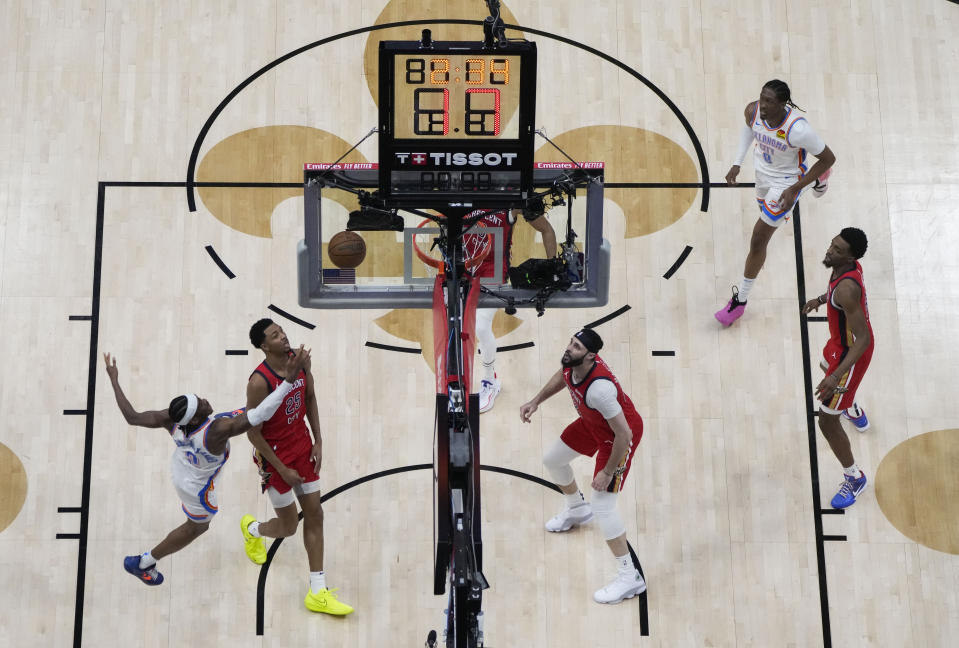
{"x": 846, "y": 355}
{"x": 609, "y": 427}
{"x": 490, "y": 383}
{"x": 289, "y": 462}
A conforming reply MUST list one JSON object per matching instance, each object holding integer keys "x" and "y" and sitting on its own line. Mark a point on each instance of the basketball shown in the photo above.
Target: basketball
{"x": 347, "y": 249}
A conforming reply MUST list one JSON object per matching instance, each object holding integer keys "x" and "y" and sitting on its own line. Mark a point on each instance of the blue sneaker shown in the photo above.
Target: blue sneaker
{"x": 850, "y": 489}
{"x": 147, "y": 576}
{"x": 857, "y": 415}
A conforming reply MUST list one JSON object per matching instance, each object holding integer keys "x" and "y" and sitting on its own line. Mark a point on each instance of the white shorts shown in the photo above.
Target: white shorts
{"x": 282, "y": 500}
{"x": 197, "y": 497}
{"x": 768, "y": 190}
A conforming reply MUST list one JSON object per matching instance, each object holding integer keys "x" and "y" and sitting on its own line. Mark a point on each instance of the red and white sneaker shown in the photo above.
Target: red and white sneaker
{"x": 489, "y": 390}
{"x": 822, "y": 184}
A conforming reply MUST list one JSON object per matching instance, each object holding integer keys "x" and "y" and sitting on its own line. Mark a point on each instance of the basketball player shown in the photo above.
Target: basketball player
{"x": 846, "y": 355}
{"x": 783, "y": 139}
{"x": 289, "y": 462}
{"x": 202, "y": 447}
{"x": 490, "y": 384}
{"x": 609, "y": 427}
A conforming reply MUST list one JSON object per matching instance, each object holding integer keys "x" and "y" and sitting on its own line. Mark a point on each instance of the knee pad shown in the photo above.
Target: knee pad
{"x": 556, "y": 460}
{"x": 562, "y": 474}
{"x": 604, "y": 509}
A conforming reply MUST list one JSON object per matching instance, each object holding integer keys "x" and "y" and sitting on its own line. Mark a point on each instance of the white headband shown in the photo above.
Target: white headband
{"x": 191, "y": 404}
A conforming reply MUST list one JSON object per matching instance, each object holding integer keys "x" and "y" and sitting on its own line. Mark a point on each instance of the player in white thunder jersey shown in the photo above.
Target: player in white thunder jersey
{"x": 202, "y": 447}
{"x": 784, "y": 140}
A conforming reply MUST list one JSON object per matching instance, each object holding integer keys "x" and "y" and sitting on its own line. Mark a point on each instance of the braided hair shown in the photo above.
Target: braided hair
{"x": 781, "y": 90}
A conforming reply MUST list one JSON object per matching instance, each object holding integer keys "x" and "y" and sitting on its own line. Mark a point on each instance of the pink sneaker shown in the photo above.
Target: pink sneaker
{"x": 822, "y": 184}
{"x": 733, "y": 311}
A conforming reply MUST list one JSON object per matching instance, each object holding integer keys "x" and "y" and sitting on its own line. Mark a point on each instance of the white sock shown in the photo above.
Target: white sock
{"x": 853, "y": 471}
{"x": 254, "y": 529}
{"x": 624, "y": 564}
{"x": 317, "y": 581}
{"x": 147, "y": 561}
{"x": 489, "y": 370}
{"x": 575, "y": 499}
{"x": 744, "y": 287}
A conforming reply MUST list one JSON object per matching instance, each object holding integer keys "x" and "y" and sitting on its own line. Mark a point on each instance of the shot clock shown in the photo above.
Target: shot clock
{"x": 456, "y": 122}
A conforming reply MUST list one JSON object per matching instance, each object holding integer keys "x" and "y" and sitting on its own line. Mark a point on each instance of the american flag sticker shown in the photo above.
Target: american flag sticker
{"x": 339, "y": 275}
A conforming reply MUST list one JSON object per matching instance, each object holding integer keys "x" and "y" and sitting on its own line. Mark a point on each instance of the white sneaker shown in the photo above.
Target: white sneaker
{"x": 623, "y": 587}
{"x": 822, "y": 184}
{"x": 489, "y": 389}
{"x": 570, "y": 517}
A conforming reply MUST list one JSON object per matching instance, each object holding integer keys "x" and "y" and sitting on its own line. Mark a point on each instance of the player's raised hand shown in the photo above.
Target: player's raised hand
{"x": 111, "y": 366}
{"x": 296, "y": 362}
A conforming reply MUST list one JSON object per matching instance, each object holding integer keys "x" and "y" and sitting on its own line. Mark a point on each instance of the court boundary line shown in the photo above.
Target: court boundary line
{"x": 811, "y": 431}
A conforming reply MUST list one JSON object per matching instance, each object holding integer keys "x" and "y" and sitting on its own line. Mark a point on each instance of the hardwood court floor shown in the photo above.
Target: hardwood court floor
{"x": 719, "y": 505}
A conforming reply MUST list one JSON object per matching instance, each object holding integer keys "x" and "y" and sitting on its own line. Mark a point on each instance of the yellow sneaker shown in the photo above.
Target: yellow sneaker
{"x": 254, "y": 546}
{"x": 325, "y": 601}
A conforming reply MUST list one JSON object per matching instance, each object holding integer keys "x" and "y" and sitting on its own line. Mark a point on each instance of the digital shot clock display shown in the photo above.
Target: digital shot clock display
{"x": 456, "y": 122}
{"x": 456, "y": 96}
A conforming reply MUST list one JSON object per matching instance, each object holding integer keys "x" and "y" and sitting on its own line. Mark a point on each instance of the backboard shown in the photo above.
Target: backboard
{"x": 392, "y": 276}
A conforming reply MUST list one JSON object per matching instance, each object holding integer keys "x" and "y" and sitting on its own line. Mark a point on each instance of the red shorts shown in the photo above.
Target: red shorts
{"x": 588, "y": 441}
{"x": 269, "y": 477}
{"x": 850, "y": 380}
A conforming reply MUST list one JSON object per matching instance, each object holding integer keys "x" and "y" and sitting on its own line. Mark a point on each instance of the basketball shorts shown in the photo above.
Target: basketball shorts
{"x": 849, "y": 380}
{"x": 588, "y": 441}
{"x": 769, "y": 188}
{"x": 197, "y": 496}
{"x": 280, "y": 493}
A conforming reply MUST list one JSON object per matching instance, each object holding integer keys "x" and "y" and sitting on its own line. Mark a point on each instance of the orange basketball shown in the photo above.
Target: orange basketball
{"x": 347, "y": 249}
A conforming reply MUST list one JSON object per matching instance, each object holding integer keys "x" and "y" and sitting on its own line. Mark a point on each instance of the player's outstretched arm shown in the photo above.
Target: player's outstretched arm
{"x": 745, "y": 140}
{"x": 148, "y": 419}
{"x": 224, "y": 428}
{"x": 553, "y": 386}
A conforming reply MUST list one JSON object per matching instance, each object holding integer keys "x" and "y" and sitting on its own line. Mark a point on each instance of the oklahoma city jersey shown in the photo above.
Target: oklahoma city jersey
{"x": 599, "y": 426}
{"x": 782, "y": 151}
{"x": 194, "y": 468}
{"x": 191, "y": 458}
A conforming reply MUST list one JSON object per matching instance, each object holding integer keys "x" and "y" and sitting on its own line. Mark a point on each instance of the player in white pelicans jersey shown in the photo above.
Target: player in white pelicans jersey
{"x": 784, "y": 140}
{"x": 202, "y": 447}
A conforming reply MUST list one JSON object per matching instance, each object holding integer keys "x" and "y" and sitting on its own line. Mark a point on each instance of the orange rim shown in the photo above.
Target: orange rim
{"x": 471, "y": 263}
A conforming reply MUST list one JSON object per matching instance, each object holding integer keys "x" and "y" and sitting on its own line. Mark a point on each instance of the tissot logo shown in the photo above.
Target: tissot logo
{"x": 457, "y": 159}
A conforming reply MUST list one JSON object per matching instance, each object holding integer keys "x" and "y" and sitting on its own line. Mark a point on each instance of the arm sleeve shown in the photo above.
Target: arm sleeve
{"x": 745, "y": 139}
{"x": 601, "y": 396}
{"x": 801, "y": 135}
{"x": 267, "y": 408}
